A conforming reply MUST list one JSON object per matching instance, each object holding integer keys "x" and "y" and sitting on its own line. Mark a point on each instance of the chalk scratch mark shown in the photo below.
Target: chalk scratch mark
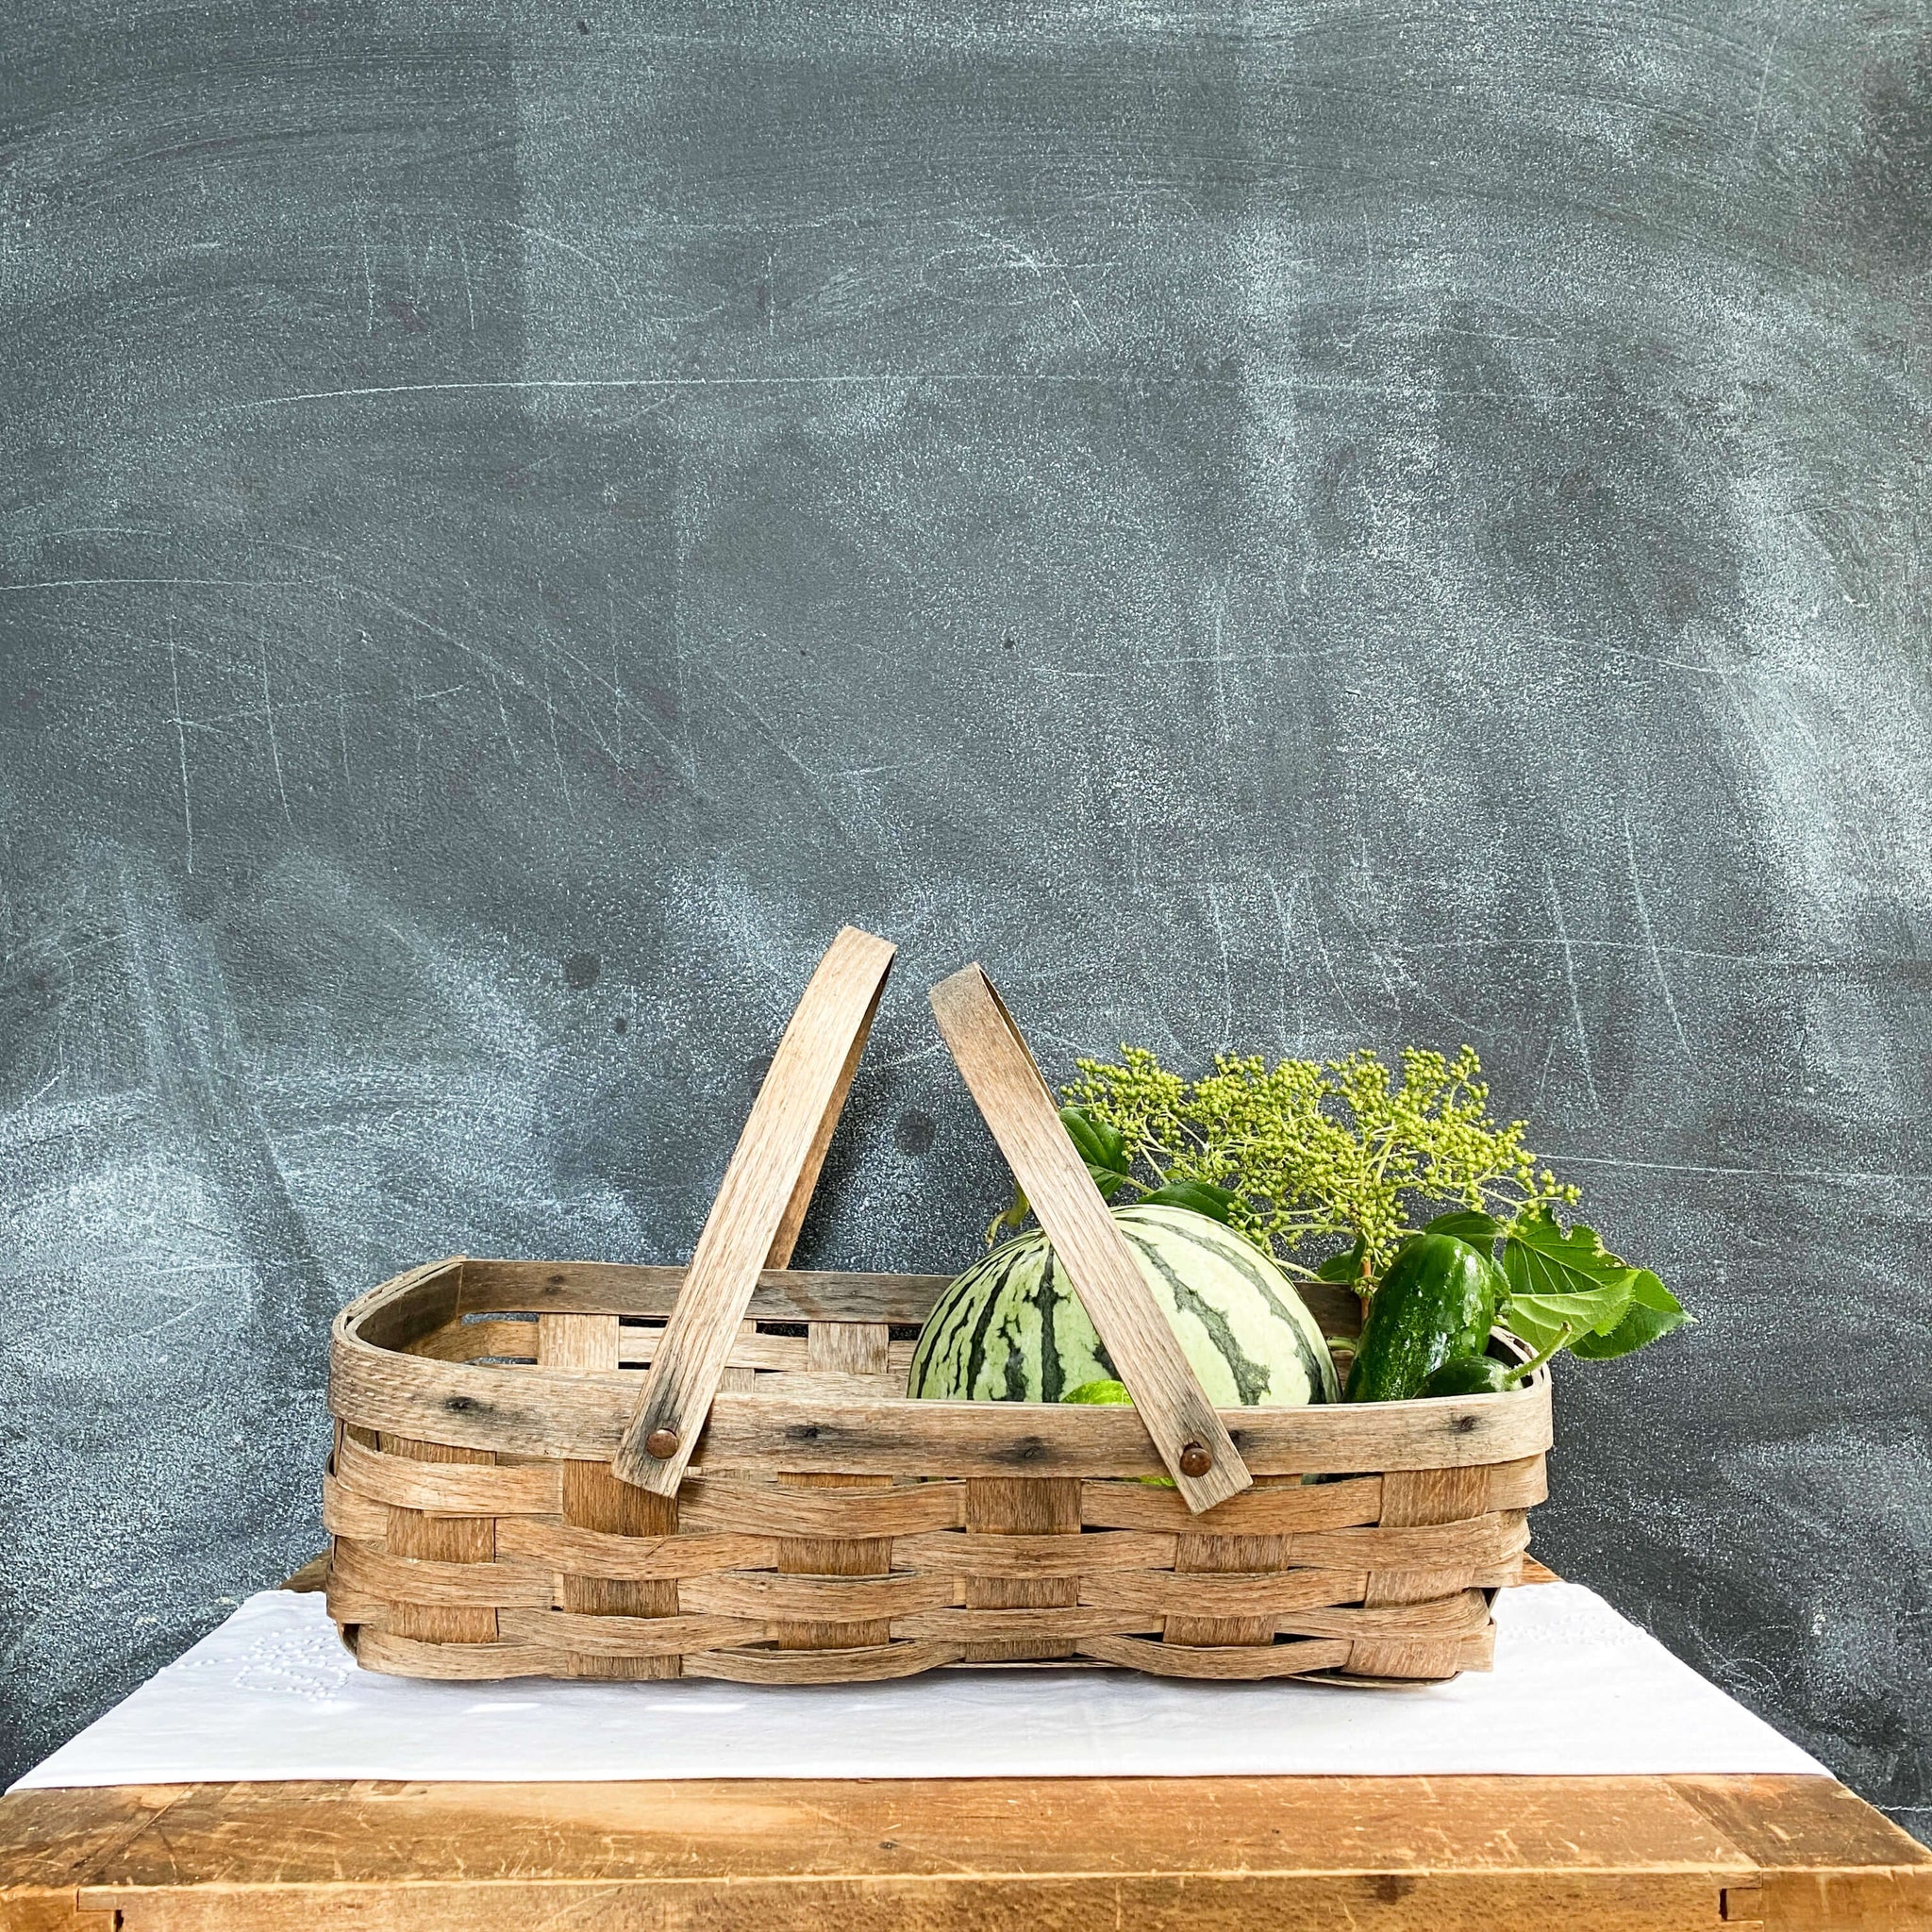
{"x": 1219, "y": 659}
{"x": 1543, "y": 1079}
{"x": 1757, "y": 106}
{"x": 585, "y": 723}
{"x": 906, "y": 1059}
{"x": 808, "y": 777}
{"x": 1226, "y": 1041}
{"x": 342, "y": 679}
{"x": 1570, "y": 980}
{"x": 1371, "y": 945}
{"x": 41, "y": 1092}
{"x": 621, "y": 703}
{"x": 181, "y": 747}
{"x": 616, "y": 700}
{"x": 275, "y": 750}
{"x": 875, "y": 378}
{"x": 583, "y": 255}
{"x": 1847, "y": 1176}
{"x": 469, "y": 293}
{"x": 1348, "y": 1006}
{"x": 1284, "y": 953}
{"x": 509, "y": 743}
{"x": 557, "y": 744}
{"x": 174, "y": 583}
{"x": 1650, "y": 938}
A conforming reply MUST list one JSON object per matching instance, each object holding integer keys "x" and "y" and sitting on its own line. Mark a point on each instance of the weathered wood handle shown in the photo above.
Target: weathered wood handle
{"x": 1006, "y": 1083}
{"x": 760, "y": 1204}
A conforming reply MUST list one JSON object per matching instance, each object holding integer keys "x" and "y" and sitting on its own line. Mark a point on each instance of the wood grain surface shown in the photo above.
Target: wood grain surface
{"x": 1233, "y": 1854}
{"x": 477, "y": 1406}
{"x": 759, "y": 1208}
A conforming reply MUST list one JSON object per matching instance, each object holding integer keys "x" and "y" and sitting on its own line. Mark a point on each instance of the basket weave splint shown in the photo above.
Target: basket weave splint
{"x": 505, "y": 1500}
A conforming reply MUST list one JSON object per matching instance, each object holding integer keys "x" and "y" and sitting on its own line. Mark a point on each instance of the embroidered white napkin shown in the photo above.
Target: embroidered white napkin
{"x": 273, "y": 1694}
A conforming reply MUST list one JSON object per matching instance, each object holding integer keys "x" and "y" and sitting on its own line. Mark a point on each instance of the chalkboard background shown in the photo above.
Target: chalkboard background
{"x": 1279, "y": 527}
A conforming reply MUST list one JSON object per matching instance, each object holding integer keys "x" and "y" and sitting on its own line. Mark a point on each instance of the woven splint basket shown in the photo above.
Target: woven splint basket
{"x": 510, "y": 1496}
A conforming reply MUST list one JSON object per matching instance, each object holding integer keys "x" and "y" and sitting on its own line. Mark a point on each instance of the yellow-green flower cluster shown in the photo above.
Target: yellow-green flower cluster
{"x": 1321, "y": 1152}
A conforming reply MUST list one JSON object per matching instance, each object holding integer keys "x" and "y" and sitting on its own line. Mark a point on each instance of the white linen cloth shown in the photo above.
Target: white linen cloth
{"x": 273, "y": 1694}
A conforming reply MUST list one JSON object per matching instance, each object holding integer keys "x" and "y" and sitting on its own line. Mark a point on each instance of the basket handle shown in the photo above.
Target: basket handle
{"x": 761, "y": 1206}
{"x": 1006, "y": 1083}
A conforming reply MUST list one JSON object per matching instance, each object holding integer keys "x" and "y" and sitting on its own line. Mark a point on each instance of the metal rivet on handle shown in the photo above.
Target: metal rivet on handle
{"x": 1195, "y": 1461}
{"x": 662, "y": 1444}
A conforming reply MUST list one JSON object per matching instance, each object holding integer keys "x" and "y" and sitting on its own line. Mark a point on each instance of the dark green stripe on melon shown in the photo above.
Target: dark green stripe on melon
{"x": 1251, "y": 1380}
{"x": 1012, "y": 1329}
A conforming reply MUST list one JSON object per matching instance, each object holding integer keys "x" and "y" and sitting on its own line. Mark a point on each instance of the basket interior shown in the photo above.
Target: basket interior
{"x": 820, "y": 1333}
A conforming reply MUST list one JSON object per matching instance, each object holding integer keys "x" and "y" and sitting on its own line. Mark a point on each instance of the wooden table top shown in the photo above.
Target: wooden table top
{"x": 932, "y": 1855}
{"x": 1452, "y": 1853}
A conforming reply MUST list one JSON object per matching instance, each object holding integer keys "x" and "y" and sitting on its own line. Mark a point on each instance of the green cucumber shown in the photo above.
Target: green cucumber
{"x": 1438, "y": 1299}
{"x": 1468, "y": 1375}
{"x": 1483, "y": 1375}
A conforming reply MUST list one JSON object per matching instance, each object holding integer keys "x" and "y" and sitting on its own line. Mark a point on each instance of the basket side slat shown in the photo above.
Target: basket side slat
{"x": 1260, "y": 1511}
{"x": 1264, "y": 1599}
{"x": 1020, "y": 1554}
{"x": 717, "y": 1503}
{"x": 1448, "y": 1619}
{"x": 1519, "y": 1484}
{"x": 1471, "y": 1543}
{"x": 643, "y": 1558}
{"x": 449, "y": 1488}
{"x": 833, "y": 1602}
{"x": 602, "y": 1645}
{"x": 416, "y": 1585}
{"x": 532, "y": 1413}
{"x": 345, "y": 1513}
{"x": 649, "y": 1291}
{"x": 1241, "y": 1664}
{"x": 871, "y": 1665}
{"x": 1055, "y": 1631}
{"x": 622, "y": 1288}
{"x": 380, "y": 1650}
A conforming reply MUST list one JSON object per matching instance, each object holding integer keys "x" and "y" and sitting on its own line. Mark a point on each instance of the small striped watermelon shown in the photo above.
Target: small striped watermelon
{"x": 1011, "y": 1328}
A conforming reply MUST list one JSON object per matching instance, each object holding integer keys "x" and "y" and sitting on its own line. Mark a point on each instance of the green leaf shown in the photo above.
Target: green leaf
{"x": 1541, "y": 1319}
{"x": 1109, "y": 1180}
{"x": 1202, "y": 1197}
{"x": 1654, "y": 1311}
{"x": 1346, "y": 1266}
{"x": 1556, "y": 1280}
{"x": 1100, "y": 1145}
{"x": 1540, "y": 1258}
{"x": 1469, "y": 1225}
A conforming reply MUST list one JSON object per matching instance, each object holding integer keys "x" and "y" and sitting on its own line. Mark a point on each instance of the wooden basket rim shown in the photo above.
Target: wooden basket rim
{"x": 576, "y": 1415}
